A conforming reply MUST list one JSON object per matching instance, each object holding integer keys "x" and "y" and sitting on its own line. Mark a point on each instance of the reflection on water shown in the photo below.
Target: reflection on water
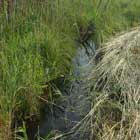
{"x": 75, "y": 98}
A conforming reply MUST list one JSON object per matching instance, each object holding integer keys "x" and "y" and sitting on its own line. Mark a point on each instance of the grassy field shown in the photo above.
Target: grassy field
{"x": 38, "y": 42}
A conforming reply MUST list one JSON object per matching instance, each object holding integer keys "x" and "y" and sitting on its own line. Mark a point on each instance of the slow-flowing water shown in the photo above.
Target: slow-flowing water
{"x": 75, "y": 98}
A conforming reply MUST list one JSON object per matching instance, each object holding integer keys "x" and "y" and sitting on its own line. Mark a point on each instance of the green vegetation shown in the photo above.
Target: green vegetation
{"x": 38, "y": 42}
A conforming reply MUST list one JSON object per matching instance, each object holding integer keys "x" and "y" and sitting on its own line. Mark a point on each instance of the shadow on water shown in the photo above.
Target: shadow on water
{"x": 75, "y": 99}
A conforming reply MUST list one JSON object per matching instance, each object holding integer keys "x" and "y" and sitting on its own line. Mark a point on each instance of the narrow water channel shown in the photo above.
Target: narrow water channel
{"x": 75, "y": 100}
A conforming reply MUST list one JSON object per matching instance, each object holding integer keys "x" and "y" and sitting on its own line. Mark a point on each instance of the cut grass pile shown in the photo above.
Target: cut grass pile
{"x": 118, "y": 73}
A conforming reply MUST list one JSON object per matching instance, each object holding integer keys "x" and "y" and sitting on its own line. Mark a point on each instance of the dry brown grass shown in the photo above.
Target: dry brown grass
{"x": 118, "y": 74}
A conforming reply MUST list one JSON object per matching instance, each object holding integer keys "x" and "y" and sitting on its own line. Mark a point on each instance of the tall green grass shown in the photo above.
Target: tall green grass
{"x": 37, "y": 44}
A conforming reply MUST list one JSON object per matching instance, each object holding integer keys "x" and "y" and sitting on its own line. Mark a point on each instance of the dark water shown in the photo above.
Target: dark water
{"x": 75, "y": 99}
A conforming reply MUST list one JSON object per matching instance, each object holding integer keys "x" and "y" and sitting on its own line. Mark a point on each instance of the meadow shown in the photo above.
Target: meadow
{"x": 38, "y": 40}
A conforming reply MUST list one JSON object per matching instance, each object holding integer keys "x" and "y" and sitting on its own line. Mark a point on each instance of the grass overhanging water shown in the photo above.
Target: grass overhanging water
{"x": 38, "y": 42}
